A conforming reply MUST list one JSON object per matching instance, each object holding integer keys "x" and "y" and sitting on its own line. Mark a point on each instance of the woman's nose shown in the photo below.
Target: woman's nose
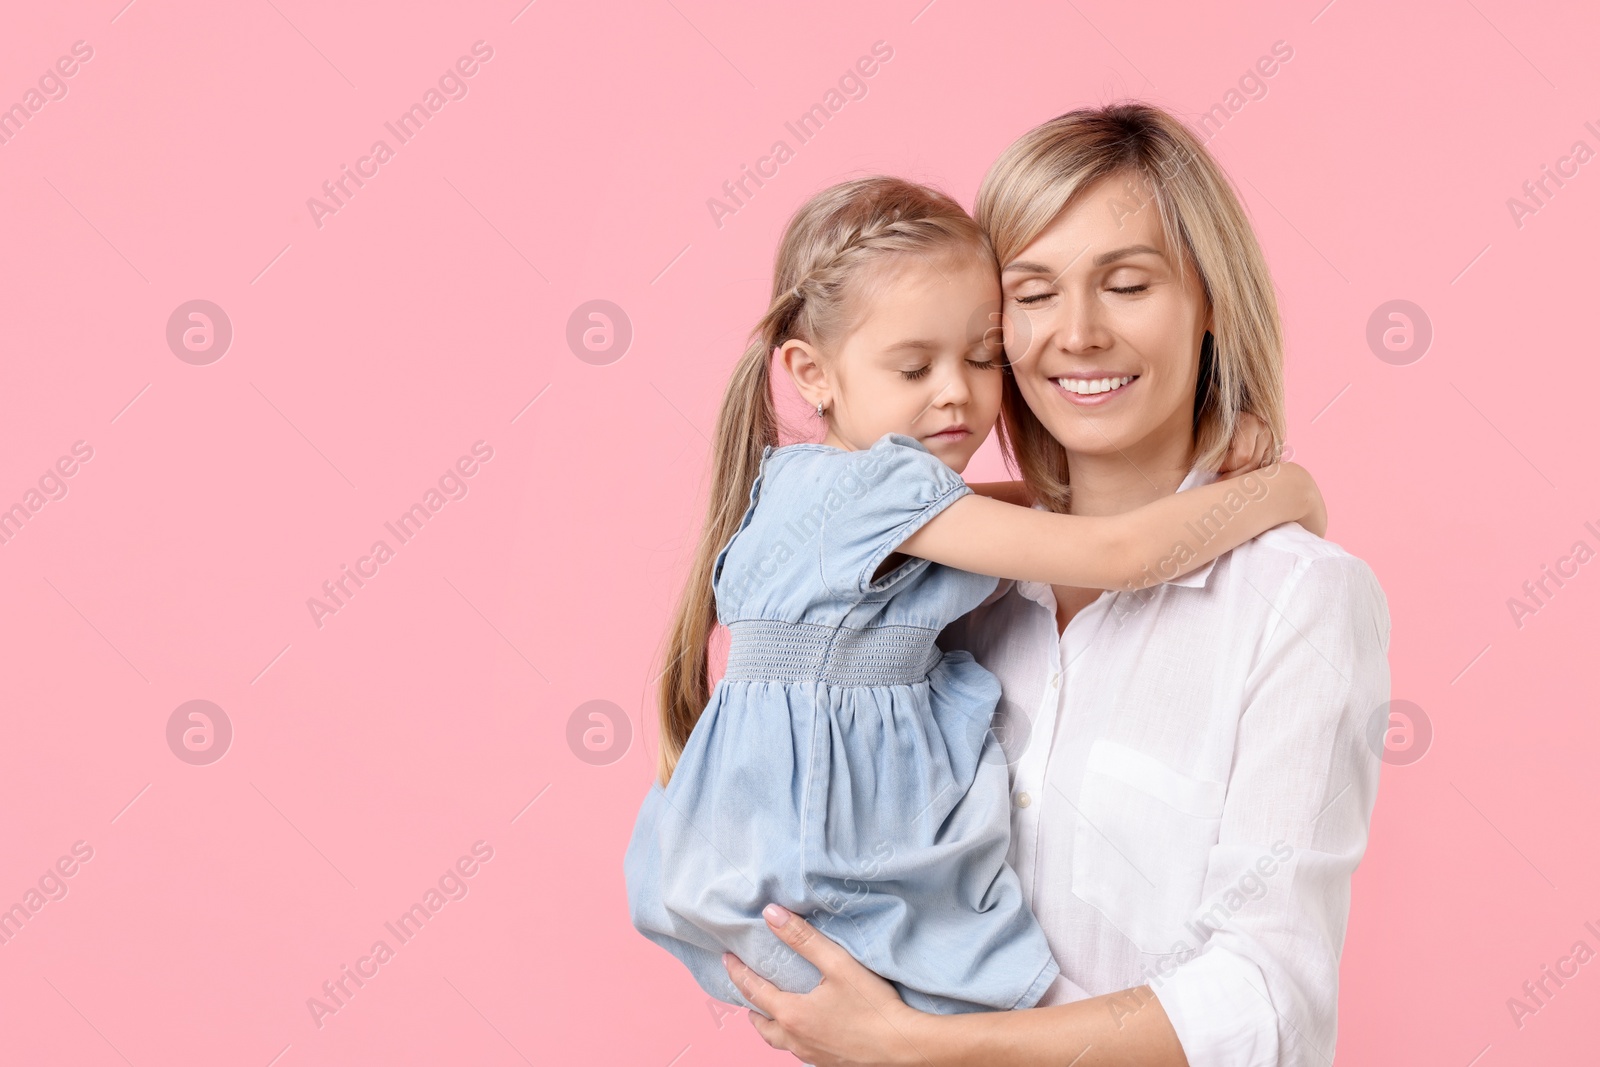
{"x": 1078, "y": 327}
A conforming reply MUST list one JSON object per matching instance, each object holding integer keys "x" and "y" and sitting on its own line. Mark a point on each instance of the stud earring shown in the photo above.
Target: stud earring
{"x": 820, "y": 409}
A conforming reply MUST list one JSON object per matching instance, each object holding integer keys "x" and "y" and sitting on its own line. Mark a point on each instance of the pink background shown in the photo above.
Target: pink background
{"x": 372, "y": 352}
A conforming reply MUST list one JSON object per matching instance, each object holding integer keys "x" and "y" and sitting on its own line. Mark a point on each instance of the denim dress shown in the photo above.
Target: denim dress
{"x": 844, "y": 767}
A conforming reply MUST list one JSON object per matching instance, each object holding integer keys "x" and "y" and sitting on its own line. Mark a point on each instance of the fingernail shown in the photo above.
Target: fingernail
{"x": 776, "y": 914}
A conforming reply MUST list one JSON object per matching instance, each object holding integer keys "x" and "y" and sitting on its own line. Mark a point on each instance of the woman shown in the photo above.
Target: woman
{"x": 1191, "y": 778}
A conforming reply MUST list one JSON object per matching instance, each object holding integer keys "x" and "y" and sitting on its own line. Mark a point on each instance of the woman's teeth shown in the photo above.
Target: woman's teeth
{"x": 1090, "y": 386}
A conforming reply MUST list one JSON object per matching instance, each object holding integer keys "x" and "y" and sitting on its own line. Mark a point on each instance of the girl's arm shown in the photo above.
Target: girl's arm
{"x": 856, "y": 1019}
{"x": 1136, "y": 549}
{"x": 1010, "y": 492}
{"x": 1250, "y": 449}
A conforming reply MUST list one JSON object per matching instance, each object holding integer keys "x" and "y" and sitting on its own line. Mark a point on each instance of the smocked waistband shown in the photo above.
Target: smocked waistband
{"x": 771, "y": 651}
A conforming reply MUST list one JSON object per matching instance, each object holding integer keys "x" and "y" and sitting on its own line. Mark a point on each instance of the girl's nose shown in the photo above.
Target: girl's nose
{"x": 955, "y": 391}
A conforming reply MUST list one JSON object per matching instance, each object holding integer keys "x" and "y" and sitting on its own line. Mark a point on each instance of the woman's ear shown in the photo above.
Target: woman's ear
{"x": 804, "y": 364}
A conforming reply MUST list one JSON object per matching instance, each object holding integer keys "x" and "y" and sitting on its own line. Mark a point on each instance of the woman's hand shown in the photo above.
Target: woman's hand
{"x": 852, "y": 1018}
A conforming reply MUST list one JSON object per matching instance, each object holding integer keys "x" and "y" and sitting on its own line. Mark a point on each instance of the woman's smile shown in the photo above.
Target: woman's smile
{"x": 1093, "y": 388}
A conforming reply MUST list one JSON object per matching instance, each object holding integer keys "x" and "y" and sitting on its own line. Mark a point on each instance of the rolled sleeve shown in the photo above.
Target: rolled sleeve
{"x": 1259, "y": 985}
{"x": 1219, "y": 1006}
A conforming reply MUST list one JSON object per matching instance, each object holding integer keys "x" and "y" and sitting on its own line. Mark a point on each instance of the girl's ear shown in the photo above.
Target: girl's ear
{"x": 804, "y": 364}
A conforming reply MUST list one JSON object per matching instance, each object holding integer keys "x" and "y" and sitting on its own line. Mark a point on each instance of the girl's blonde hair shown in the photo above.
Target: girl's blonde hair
{"x": 1039, "y": 177}
{"x": 817, "y": 279}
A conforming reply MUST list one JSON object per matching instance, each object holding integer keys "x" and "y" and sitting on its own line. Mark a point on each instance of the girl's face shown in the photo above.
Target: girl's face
{"x": 1103, "y": 329}
{"x": 923, "y": 361}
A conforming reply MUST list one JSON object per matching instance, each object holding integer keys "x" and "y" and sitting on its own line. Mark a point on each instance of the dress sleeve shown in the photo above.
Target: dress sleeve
{"x": 881, "y": 496}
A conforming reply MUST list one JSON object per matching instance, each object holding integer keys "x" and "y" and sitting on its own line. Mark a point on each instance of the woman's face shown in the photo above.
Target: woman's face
{"x": 1103, "y": 327}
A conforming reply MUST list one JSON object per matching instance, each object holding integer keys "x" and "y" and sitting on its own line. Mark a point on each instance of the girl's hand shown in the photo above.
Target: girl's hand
{"x": 1250, "y": 449}
{"x": 1314, "y": 516}
{"x": 852, "y": 1018}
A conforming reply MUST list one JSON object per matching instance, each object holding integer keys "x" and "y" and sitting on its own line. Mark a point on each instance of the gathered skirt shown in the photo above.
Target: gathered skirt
{"x": 881, "y": 814}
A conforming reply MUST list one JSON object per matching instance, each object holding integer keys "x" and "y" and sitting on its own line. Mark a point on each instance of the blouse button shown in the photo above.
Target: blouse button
{"x": 1023, "y": 800}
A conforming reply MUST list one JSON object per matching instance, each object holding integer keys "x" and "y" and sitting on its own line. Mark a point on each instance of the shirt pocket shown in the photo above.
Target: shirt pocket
{"x": 1142, "y": 841}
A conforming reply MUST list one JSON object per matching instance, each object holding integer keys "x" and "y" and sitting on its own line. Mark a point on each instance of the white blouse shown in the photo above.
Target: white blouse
{"x": 1192, "y": 780}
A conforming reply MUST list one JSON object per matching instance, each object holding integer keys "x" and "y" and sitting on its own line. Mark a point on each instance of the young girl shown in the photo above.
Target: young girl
{"x": 843, "y": 767}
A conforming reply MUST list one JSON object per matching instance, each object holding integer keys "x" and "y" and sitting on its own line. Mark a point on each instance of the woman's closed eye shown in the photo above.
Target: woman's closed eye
{"x": 1125, "y": 290}
{"x": 1127, "y": 280}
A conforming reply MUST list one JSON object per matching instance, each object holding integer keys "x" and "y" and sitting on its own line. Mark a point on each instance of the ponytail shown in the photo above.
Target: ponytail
{"x": 746, "y": 426}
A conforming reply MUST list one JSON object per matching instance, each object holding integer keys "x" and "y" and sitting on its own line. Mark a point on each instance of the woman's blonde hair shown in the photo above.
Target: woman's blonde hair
{"x": 1041, "y": 175}
{"x": 818, "y": 278}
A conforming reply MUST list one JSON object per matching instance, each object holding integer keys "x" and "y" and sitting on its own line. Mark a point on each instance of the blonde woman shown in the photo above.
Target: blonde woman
{"x": 1190, "y": 772}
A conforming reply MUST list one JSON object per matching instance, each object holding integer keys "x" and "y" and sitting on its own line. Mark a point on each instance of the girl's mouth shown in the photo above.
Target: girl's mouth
{"x": 957, "y": 432}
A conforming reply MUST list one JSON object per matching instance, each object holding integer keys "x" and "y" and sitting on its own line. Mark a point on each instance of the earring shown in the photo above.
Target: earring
{"x": 820, "y": 409}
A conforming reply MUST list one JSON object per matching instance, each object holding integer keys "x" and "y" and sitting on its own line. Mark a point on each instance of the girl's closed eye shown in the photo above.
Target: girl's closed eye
{"x": 922, "y": 371}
